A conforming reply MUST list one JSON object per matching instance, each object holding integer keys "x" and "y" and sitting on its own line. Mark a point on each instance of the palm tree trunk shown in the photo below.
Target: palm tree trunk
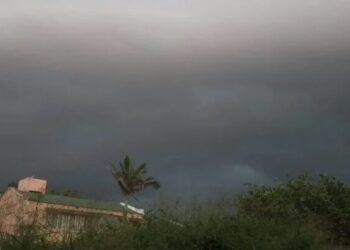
{"x": 126, "y": 203}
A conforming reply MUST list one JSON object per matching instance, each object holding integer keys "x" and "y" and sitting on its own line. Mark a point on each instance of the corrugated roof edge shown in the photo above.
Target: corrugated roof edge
{"x": 75, "y": 202}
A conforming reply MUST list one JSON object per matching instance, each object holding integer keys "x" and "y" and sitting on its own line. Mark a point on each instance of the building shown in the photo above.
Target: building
{"x": 29, "y": 204}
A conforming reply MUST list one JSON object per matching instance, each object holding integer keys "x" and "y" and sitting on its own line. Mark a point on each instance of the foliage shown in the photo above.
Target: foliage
{"x": 326, "y": 201}
{"x": 202, "y": 229}
{"x": 303, "y": 213}
{"x": 13, "y": 183}
{"x": 132, "y": 179}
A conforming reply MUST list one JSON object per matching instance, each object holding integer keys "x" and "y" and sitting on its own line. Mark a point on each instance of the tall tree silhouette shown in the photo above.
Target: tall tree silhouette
{"x": 132, "y": 179}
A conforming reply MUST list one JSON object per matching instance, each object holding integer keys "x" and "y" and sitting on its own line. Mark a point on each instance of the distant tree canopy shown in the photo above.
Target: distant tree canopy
{"x": 10, "y": 184}
{"x": 65, "y": 192}
{"x": 324, "y": 201}
{"x": 13, "y": 183}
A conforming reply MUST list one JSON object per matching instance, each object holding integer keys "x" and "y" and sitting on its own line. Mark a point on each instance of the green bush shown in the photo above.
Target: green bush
{"x": 324, "y": 201}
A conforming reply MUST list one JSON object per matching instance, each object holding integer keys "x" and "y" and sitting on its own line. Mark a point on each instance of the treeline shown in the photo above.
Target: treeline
{"x": 302, "y": 213}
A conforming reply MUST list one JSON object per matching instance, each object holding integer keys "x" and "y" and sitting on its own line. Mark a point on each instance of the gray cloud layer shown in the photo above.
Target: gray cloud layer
{"x": 211, "y": 95}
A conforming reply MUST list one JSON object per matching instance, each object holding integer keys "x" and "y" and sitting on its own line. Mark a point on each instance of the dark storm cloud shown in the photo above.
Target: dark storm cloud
{"x": 210, "y": 95}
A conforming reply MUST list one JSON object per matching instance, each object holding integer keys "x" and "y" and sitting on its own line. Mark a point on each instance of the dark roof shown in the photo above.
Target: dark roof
{"x": 75, "y": 202}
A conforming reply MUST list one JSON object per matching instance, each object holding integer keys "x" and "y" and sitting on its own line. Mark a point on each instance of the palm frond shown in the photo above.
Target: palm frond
{"x": 130, "y": 179}
{"x": 118, "y": 175}
{"x": 124, "y": 186}
{"x": 140, "y": 171}
{"x": 151, "y": 182}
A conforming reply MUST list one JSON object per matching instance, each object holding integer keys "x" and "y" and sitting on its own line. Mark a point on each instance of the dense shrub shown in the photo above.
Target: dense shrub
{"x": 324, "y": 201}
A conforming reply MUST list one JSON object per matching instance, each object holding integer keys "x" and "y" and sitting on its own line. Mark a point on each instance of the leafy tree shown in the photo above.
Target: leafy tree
{"x": 8, "y": 185}
{"x": 13, "y": 183}
{"x": 132, "y": 179}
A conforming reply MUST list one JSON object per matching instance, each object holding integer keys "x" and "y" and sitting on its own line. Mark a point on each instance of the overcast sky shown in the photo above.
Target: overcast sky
{"x": 211, "y": 94}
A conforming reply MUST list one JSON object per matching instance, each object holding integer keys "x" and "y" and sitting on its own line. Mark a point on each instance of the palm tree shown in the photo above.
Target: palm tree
{"x": 132, "y": 179}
